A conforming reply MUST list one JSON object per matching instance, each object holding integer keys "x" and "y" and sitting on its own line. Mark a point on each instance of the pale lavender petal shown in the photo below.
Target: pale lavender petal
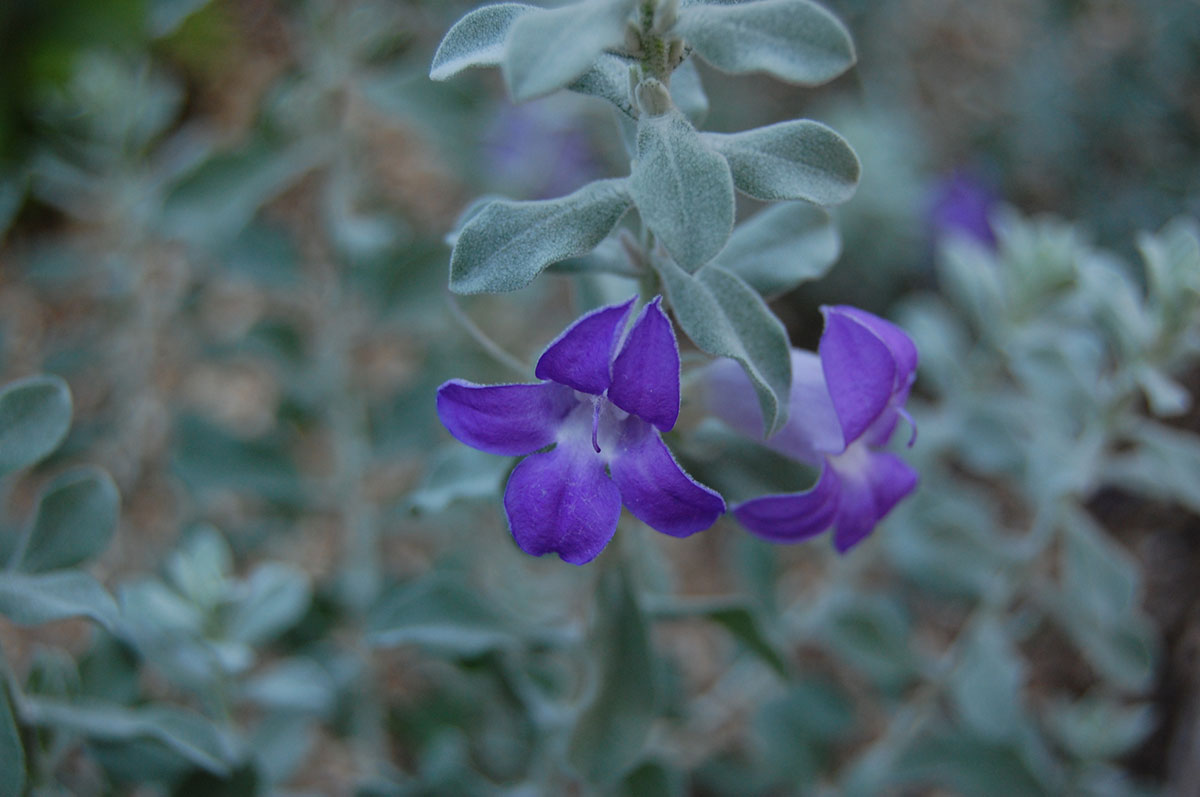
{"x": 581, "y": 357}
{"x": 561, "y": 501}
{"x": 903, "y": 350}
{"x": 860, "y": 372}
{"x": 870, "y": 488}
{"x": 509, "y": 420}
{"x": 657, "y": 491}
{"x": 794, "y": 517}
{"x": 645, "y": 375}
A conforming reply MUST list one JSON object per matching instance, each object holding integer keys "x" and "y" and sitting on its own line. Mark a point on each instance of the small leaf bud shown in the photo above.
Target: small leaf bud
{"x": 653, "y": 97}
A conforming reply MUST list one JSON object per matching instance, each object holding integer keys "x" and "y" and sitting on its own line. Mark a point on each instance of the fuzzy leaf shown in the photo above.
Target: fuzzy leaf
{"x": 800, "y": 159}
{"x": 45, "y": 597}
{"x": 688, "y": 92}
{"x": 795, "y": 40}
{"x": 608, "y": 78}
{"x": 683, "y": 189}
{"x": 35, "y": 415}
{"x": 76, "y": 518}
{"x": 550, "y": 49}
{"x": 781, "y": 247}
{"x": 476, "y": 40}
{"x": 505, "y": 245}
{"x": 726, "y": 318}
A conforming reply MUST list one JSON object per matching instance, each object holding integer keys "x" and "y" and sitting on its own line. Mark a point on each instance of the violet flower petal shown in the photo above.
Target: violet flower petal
{"x": 645, "y": 375}
{"x": 561, "y": 501}
{"x": 582, "y": 355}
{"x": 903, "y": 350}
{"x": 793, "y": 517}
{"x": 509, "y": 420}
{"x": 657, "y": 491}
{"x": 870, "y": 488}
{"x": 860, "y": 371}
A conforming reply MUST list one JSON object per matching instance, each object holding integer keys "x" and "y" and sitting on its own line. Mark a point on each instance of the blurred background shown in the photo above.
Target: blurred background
{"x": 222, "y": 223}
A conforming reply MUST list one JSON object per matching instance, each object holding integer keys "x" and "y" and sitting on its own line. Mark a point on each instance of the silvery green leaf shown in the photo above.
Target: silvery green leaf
{"x": 986, "y": 682}
{"x": 688, "y": 92}
{"x": 1165, "y": 464}
{"x": 871, "y": 632}
{"x": 965, "y": 764}
{"x": 1123, "y": 650}
{"x": 476, "y": 40}
{"x": 550, "y": 49}
{"x": 1096, "y": 727}
{"x": 276, "y": 596}
{"x": 1099, "y": 576}
{"x": 76, "y": 517}
{"x": 200, "y": 568}
{"x": 33, "y": 599}
{"x": 795, "y": 40}
{"x": 608, "y": 78}
{"x": 611, "y": 730}
{"x": 609, "y": 257}
{"x": 781, "y": 247}
{"x": 12, "y": 752}
{"x": 1167, "y": 398}
{"x": 293, "y": 685}
{"x": 506, "y": 244}
{"x": 35, "y": 415}
{"x": 726, "y": 318}
{"x": 800, "y": 159}
{"x": 457, "y": 472}
{"x": 682, "y": 188}
{"x": 1172, "y": 260}
{"x": 439, "y": 613}
{"x": 183, "y": 732}
{"x": 970, "y": 275}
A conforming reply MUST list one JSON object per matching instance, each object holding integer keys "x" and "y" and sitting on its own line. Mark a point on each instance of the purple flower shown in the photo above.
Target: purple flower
{"x": 962, "y": 204}
{"x": 601, "y": 409}
{"x": 844, "y": 406}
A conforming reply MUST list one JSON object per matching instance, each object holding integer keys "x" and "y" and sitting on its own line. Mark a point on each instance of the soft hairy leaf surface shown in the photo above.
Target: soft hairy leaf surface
{"x": 683, "y": 189}
{"x": 35, "y": 414}
{"x": 476, "y": 40}
{"x": 504, "y": 246}
{"x": 548, "y": 50}
{"x": 800, "y": 159}
{"x": 726, "y": 318}
{"x": 795, "y": 40}
{"x": 608, "y": 737}
{"x": 782, "y": 247}
{"x": 607, "y": 78}
{"x": 33, "y": 599}
{"x": 76, "y": 518}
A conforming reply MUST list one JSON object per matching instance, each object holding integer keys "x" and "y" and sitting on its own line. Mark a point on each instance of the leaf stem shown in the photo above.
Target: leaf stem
{"x": 494, "y": 349}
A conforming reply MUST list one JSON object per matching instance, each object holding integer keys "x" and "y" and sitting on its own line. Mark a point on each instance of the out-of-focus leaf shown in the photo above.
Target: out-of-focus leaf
{"x": 76, "y": 518}
{"x": 476, "y": 40}
{"x": 986, "y": 683}
{"x": 683, "y": 189}
{"x": 208, "y": 458}
{"x": 726, "y": 318}
{"x": 1097, "y": 727}
{"x": 505, "y": 244}
{"x": 201, "y": 566}
{"x": 687, "y": 92}
{"x": 968, "y": 765}
{"x": 294, "y": 686}
{"x": 652, "y": 779}
{"x": 795, "y": 40}
{"x": 12, "y": 752}
{"x": 187, "y": 734}
{"x": 35, "y": 415}
{"x": 737, "y": 617}
{"x": 166, "y": 16}
{"x": 797, "y": 728}
{"x": 1165, "y": 464}
{"x": 275, "y": 597}
{"x": 800, "y": 159}
{"x": 1100, "y": 577}
{"x": 871, "y": 633}
{"x": 33, "y": 599}
{"x": 782, "y": 247}
{"x": 438, "y": 613}
{"x": 456, "y": 473}
{"x": 611, "y": 730}
{"x": 547, "y": 50}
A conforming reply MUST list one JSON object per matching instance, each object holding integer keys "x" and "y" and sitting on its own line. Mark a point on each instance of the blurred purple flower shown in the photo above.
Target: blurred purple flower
{"x": 845, "y": 404}
{"x": 539, "y": 151}
{"x": 601, "y": 408}
{"x": 962, "y": 204}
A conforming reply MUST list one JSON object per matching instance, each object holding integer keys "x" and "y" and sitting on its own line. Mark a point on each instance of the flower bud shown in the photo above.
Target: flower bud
{"x": 653, "y": 97}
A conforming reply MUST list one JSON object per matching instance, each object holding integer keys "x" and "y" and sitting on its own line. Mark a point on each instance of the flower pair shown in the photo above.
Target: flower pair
{"x": 591, "y": 431}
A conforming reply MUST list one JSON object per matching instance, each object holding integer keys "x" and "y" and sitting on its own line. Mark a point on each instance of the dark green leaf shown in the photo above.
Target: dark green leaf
{"x": 76, "y": 518}
{"x": 35, "y": 415}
